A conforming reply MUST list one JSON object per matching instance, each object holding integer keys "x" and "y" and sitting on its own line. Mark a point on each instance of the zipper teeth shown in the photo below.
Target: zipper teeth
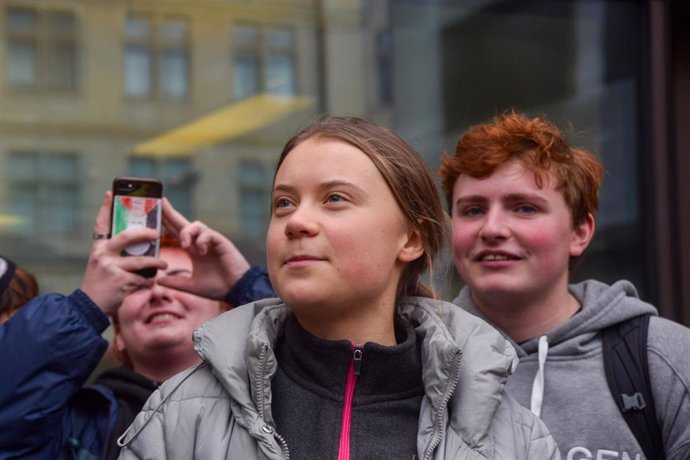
{"x": 438, "y": 413}
{"x": 260, "y": 380}
{"x": 284, "y": 445}
{"x": 260, "y": 398}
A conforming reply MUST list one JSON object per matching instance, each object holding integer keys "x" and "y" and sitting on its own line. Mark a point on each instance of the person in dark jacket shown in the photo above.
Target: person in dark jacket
{"x": 54, "y": 344}
{"x": 17, "y": 286}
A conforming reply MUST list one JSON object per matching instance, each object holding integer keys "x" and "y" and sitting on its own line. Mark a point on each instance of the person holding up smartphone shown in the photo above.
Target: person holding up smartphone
{"x": 356, "y": 349}
{"x": 53, "y": 344}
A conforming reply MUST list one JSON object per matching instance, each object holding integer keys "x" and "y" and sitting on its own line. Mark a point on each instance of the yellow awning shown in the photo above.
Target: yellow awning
{"x": 231, "y": 121}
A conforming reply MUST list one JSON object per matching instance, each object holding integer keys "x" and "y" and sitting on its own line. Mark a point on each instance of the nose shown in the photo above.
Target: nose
{"x": 301, "y": 222}
{"x": 495, "y": 226}
{"x": 158, "y": 293}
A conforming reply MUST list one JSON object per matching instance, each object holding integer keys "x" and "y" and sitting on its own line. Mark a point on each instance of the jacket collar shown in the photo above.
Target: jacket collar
{"x": 244, "y": 362}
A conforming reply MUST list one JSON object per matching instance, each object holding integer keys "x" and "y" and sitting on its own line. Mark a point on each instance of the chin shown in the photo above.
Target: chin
{"x": 169, "y": 338}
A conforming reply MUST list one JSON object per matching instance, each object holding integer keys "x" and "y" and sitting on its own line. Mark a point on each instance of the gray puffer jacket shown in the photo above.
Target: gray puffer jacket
{"x": 221, "y": 408}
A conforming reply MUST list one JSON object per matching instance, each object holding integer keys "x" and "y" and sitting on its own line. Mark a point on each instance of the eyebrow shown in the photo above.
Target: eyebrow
{"x": 323, "y": 186}
{"x": 511, "y": 197}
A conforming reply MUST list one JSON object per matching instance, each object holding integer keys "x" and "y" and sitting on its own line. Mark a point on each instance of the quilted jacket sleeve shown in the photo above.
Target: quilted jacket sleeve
{"x": 49, "y": 349}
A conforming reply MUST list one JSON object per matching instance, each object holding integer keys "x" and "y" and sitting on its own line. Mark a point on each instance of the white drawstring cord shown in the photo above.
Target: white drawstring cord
{"x": 538, "y": 384}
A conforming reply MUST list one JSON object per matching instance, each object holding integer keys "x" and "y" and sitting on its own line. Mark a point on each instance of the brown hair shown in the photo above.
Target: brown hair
{"x": 407, "y": 177}
{"x": 20, "y": 289}
{"x": 540, "y": 147}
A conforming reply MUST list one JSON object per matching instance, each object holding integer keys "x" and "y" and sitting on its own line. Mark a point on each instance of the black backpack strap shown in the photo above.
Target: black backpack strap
{"x": 627, "y": 373}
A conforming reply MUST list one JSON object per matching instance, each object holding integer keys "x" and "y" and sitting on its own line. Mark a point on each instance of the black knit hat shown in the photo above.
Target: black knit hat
{"x": 7, "y": 268}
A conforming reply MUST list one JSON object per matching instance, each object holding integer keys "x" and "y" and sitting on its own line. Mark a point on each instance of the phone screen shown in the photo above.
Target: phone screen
{"x": 137, "y": 203}
{"x": 137, "y": 212}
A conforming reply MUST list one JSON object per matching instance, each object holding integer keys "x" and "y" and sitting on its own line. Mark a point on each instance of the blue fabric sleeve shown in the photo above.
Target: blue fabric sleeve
{"x": 254, "y": 285}
{"x": 49, "y": 348}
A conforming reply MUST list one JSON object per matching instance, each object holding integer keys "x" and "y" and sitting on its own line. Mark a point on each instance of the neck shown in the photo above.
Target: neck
{"x": 528, "y": 317}
{"x": 164, "y": 364}
{"x": 372, "y": 325}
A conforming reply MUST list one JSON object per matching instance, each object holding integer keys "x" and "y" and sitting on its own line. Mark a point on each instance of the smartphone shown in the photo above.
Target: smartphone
{"x": 137, "y": 202}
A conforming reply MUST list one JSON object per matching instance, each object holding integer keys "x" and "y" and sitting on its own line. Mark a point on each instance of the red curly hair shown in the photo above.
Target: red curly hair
{"x": 540, "y": 147}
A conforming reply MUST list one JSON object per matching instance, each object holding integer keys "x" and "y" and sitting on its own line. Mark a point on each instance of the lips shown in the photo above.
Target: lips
{"x": 302, "y": 260}
{"x": 492, "y": 256}
{"x": 161, "y": 316}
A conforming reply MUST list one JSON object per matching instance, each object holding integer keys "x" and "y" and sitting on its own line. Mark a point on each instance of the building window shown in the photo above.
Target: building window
{"x": 384, "y": 58}
{"x": 42, "y": 49}
{"x": 44, "y": 190}
{"x": 254, "y": 197}
{"x": 263, "y": 61}
{"x": 156, "y": 56}
{"x": 176, "y": 174}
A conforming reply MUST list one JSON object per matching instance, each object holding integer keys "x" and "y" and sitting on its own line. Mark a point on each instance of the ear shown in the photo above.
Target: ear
{"x": 413, "y": 246}
{"x": 582, "y": 235}
{"x": 118, "y": 342}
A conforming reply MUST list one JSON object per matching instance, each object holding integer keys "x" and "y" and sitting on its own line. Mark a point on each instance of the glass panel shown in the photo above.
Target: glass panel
{"x": 279, "y": 38}
{"x": 21, "y": 20}
{"x": 384, "y": 54}
{"x": 141, "y": 167}
{"x": 137, "y": 71}
{"x": 181, "y": 199}
{"x": 246, "y": 77}
{"x": 137, "y": 28}
{"x": 61, "y": 67}
{"x": 64, "y": 167}
{"x": 21, "y": 166}
{"x": 252, "y": 172}
{"x": 279, "y": 75}
{"x": 253, "y": 211}
{"x": 177, "y": 170}
{"x": 58, "y": 209}
{"x": 23, "y": 199}
{"x": 173, "y": 73}
{"x": 61, "y": 22}
{"x": 21, "y": 65}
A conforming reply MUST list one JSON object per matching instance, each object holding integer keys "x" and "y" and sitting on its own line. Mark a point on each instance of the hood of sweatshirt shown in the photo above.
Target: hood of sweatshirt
{"x": 602, "y": 306}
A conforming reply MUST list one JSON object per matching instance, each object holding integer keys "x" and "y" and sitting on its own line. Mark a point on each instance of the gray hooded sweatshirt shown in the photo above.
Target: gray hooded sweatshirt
{"x": 222, "y": 408}
{"x": 573, "y": 398}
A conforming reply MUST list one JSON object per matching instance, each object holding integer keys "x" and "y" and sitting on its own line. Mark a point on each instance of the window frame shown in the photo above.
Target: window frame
{"x": 262, "y": 51}
{"x": 157, "y": 46}
{"x": 45, "y": 41}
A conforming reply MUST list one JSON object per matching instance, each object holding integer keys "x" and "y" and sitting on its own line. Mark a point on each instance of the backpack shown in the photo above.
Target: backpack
{"x": 627, "y": 373}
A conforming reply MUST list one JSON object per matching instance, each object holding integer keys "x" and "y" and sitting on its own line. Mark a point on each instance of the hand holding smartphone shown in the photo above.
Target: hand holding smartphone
{"x": 137, "y": 202}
